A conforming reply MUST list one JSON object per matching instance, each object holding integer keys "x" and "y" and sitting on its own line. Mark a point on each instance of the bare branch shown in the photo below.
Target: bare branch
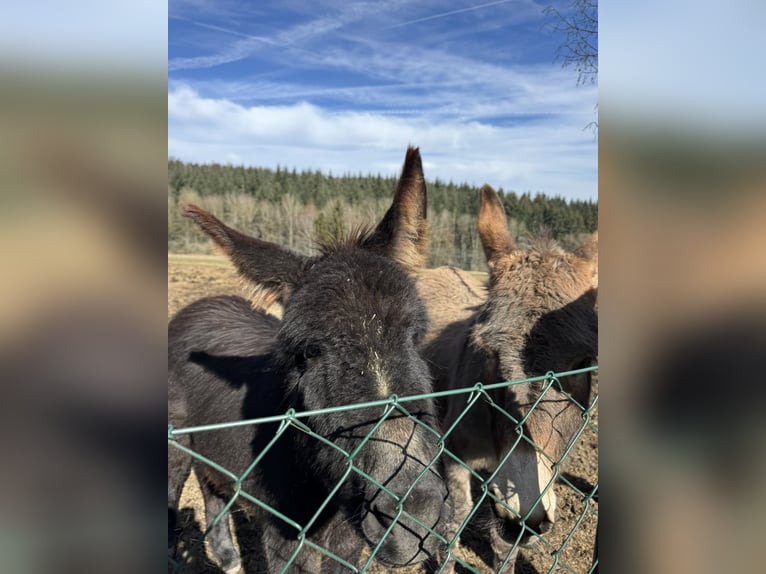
{"x": 579, "y": 24}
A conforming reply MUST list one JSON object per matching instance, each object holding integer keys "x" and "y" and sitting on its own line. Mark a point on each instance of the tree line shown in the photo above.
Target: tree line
{"x": 295, "y": 209}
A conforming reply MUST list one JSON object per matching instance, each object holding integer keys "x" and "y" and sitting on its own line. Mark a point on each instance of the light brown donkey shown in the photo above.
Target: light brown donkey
{"x": 537, "y": 314}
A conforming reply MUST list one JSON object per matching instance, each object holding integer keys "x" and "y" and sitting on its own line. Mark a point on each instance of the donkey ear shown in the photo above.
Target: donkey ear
{"x": 267, "y": 265}
{"x": 588, "y": 250}
{"x": 493, "y": 228}
{"x": 402, "y": 234}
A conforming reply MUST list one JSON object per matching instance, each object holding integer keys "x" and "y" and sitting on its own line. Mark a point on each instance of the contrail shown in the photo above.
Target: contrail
{"x": 233, "y": 32}
{"x": 224, "y": 30}
{"x": 451, "y": 13}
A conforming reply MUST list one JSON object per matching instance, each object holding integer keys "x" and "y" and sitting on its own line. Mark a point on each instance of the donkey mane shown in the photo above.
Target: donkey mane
{"x": 544, "y": 245}
{"x": 349, "y": 239}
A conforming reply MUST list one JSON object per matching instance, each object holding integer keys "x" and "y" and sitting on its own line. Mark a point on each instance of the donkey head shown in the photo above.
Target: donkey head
{"x": 539, "y": 316}
{"x": 351, "y": 324}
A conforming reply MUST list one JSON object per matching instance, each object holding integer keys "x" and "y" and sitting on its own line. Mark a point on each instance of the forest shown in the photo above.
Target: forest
{"x": 295, "y": 209}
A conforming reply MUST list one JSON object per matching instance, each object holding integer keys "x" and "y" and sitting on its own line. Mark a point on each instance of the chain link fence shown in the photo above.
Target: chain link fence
{"x": 585, "y": 492}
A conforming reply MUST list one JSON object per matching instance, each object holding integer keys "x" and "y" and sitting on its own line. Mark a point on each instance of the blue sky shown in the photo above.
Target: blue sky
{"x": 344, "y": 86}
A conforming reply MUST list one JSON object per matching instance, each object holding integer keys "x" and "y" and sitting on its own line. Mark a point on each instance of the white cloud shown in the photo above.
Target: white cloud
{"x": 410, "y": 79}
{"x": 477, "y": 114}
{"x": 552, "y": 154}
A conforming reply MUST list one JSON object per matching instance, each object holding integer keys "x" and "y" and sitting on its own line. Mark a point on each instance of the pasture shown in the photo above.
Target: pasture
{"x": 191, "y": 277}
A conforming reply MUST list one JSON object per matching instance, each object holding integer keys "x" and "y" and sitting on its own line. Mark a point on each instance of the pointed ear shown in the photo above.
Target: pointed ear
{"x": 402, "y": 234}
{"x": 267, "y": 265}
{"x": 588, "y": 250}
{"x": 493, "y": 227}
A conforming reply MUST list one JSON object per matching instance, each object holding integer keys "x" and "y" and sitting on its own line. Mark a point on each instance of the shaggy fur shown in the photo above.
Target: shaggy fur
{"x": 536, "y": 315}
{"x": 350, "y": 331}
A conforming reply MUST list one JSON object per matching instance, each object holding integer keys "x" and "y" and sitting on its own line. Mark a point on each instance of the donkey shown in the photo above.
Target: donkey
{"x": 537, "y": 314}
{"x": 352, "y": 322}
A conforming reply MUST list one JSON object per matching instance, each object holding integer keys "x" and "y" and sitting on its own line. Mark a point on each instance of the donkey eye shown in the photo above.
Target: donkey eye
{"x": 305, "y": 354}
{"x": 311, "y": 351}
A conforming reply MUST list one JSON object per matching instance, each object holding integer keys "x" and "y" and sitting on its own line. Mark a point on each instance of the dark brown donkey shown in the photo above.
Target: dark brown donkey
{"x": 350, "y": 331}
{"x": 536, "y": 315}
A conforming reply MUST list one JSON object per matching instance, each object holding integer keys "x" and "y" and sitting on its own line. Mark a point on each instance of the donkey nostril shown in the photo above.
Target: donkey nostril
{"x": 384, "y": 518}
{"x": 539, "y": 528}
{"x": 544, "y": 526}
{"x": 529, "y": 531}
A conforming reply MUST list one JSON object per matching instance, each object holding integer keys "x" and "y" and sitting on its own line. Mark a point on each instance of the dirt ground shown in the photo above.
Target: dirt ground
{"x": 195, "y": 276}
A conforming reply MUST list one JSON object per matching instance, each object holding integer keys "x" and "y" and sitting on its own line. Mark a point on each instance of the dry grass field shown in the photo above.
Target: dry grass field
{"x": 191, "y": 277}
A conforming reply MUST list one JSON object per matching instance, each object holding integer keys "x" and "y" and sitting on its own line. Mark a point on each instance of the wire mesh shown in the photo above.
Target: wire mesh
{"x": 588, "y": 496}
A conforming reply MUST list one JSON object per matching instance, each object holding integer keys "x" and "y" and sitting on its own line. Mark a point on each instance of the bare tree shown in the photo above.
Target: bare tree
{"x": 579, "y": 23}
{"x": 290, "y": 208}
